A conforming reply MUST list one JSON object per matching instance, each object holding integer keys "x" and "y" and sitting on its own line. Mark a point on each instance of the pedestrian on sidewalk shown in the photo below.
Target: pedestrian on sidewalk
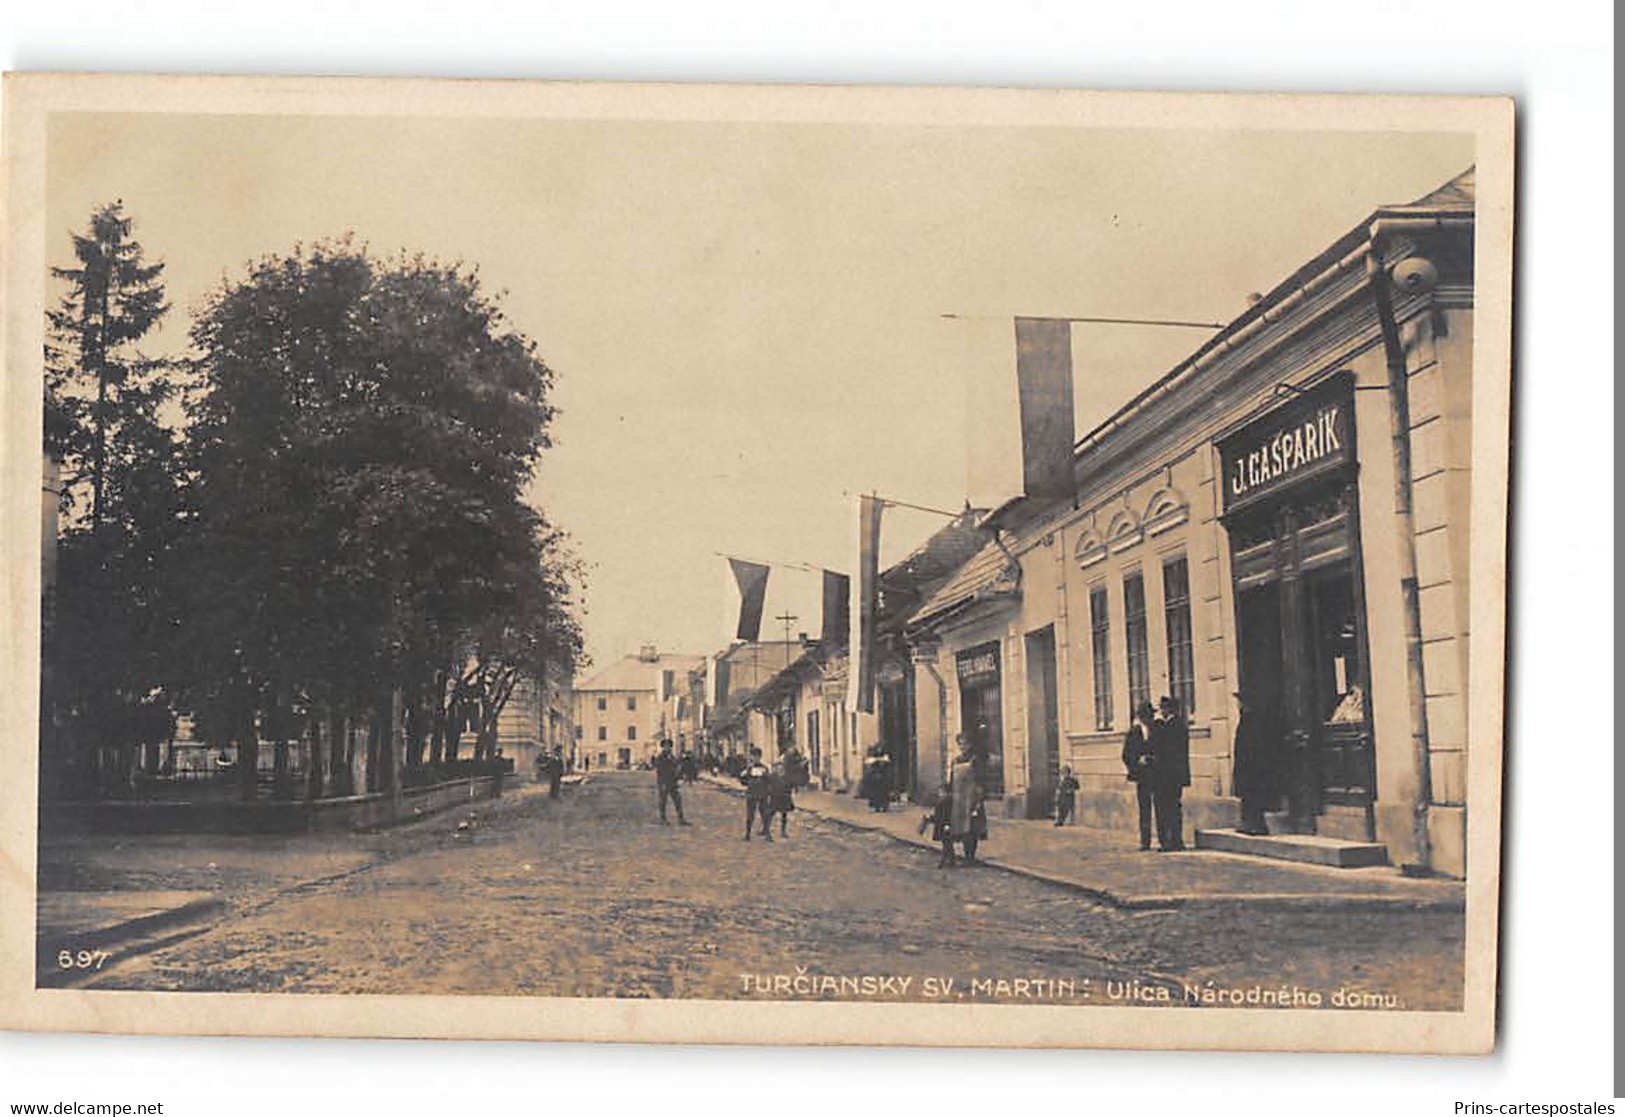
{"x": 688, "y": 769}
{"x": 968, "y": 811}
{"x": 666, "y": 783}
{"x": 1172, "y": 746}
{"x": 758, "y": 794}
{"x": 1140, "y": 759}
{"x": 781, "y": 795}
{"x": 1258, "y": 764}
{"x": 1066, "y": 797}
{"x": 876, "y": 783}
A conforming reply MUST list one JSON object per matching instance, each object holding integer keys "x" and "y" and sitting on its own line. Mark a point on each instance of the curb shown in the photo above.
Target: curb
{"x": 1334, "y": 901}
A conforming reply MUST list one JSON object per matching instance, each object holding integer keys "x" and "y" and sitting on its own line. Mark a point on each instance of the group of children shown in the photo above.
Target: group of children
{"x": 768, "y": 792}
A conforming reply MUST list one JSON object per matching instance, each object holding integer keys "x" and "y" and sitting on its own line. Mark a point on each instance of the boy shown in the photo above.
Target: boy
{"x": 758, "y": 794}
{"x": 1066, "y": 797}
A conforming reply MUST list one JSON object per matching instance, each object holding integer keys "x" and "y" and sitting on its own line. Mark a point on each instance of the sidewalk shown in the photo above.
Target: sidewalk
{"x": 1110, "y": 866}
{"x": 128, "y": 894}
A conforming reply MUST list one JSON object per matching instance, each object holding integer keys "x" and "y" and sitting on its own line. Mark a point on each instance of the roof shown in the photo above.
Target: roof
{"x": 633, "y": 673}
{"x": 1460, "y": 193}
{"x": 1457, "y": 196}
{"x": 904, "y": 585}
{"x": 985, "y": 576}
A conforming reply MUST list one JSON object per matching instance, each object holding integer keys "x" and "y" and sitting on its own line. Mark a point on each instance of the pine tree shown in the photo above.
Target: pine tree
{"x": 107, "y": 643}
{"x": 114, "y": 298}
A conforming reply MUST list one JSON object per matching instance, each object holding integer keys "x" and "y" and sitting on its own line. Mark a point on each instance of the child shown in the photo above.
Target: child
{"x": 940, "y": 820}
{"x": 1066, "y": 797}
{"x": 758, "y": 797}
{"x": 780, "y": 796}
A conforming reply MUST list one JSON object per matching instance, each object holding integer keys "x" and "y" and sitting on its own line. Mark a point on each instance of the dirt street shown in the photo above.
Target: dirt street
{"x": 590, "y": 896}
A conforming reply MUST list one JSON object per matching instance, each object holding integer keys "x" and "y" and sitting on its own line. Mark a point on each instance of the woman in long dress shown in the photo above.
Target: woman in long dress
{"x": 967, "y": 819}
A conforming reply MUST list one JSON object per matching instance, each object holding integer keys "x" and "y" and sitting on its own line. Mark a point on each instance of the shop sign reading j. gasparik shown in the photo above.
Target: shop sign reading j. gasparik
{"x": 1298, "y": 441}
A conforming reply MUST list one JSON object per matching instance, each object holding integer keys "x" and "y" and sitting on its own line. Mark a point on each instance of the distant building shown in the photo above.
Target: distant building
{"x": 539, "y": 717}
{"x": 622, "y": 712}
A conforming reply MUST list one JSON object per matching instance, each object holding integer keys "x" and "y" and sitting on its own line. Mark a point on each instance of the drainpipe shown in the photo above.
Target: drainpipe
{"x": 925, "y": 656}
{"x": 1399, "y": 412}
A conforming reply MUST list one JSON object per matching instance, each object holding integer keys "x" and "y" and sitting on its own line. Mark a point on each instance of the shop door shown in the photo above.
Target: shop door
{"x": 1337, "y": 689}
{"x": 1302, "y": 664}
{"x": 983, "y": 726}
{"x": 1043, "y": 728}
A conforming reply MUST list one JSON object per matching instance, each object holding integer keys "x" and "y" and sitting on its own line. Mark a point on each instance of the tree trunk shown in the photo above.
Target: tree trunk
{"x": 313, "y": 755}
{"x": 281, "y": 782}
{"x": 248, "y": 757}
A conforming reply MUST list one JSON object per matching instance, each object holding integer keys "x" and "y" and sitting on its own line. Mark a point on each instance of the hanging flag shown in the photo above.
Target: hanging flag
{"x": 752, "y": 580}
{"x": 861, "y": 661}
{"x": 1044, "y": 386}
{"x": 837, "y": 606}
{"x": 724, "y": 670}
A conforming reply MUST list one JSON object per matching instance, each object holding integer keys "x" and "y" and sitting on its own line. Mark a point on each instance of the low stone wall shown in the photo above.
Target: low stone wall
{"x": 274, "y": 816}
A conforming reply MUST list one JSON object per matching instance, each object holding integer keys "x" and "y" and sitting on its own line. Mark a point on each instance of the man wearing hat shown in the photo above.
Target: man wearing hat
{"x": 1171, "y": 741}
{"x": 666, "y": 783}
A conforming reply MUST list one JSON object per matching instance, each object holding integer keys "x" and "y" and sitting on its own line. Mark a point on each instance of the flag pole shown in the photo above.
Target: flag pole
{"x": 890, "y": 503}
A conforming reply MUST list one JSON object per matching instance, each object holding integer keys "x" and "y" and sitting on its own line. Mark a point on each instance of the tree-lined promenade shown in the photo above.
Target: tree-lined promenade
{"x": 309, "y": 530}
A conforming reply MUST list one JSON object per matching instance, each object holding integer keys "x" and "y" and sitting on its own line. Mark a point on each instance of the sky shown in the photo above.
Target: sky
{"x": 746, "y": 320}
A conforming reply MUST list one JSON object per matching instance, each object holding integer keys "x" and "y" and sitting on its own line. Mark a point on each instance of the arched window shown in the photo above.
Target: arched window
{"x": 1166, "y": 509}
{"x": 1090, "y": 549}
{"x": 1124, "y": 531}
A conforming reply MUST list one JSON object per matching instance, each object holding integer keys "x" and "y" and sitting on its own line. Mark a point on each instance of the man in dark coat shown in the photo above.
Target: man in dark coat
{"x": 666, "y": 784}
{"x": 1172, "y": 745}
{"x": 555, "y": 771}
{"x": 1258, "y": 765}
{"x": 1140, "y": 762}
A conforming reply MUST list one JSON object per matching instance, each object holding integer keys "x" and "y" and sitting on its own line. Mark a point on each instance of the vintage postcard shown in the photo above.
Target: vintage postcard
{"x": 754, "y": 564}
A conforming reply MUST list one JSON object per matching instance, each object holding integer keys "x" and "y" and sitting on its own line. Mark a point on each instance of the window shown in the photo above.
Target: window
{"x": 631, "y": 733}
{"x": 1176, "y": 596}
{"x": 812, "y": 737}
{"x": 1100, "y": 632}
{"x": 603, "y": 703}
{"x": 631, "y": 701}
{"x": 603, "y": 733}
{"x": 578, "y": 732}
{"x": 1139, "y": 659}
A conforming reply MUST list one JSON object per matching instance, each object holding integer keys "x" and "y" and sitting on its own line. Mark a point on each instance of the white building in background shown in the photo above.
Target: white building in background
{"x": 622, "y": 712}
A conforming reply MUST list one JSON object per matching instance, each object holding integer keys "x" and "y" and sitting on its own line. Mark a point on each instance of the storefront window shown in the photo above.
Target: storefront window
{"x": 1100, "y": 626}
{"x": 1139, "y": 658}
{"x": 1176, "y": 596}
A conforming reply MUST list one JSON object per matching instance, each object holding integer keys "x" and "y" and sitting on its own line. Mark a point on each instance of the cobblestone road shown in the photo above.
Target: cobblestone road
{"x": 590, "y": 896}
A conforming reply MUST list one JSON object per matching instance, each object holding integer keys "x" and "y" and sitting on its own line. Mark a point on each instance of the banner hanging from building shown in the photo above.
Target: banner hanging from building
{"x": 837, "y": 609}
{"x": 751, "y": 578}
{"x": 860, "y": 695}
{"x": 1044, "y": 386}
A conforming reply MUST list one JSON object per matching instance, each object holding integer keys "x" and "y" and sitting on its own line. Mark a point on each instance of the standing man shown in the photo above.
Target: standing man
{"x": 555, "y": 772}
{"x": 1140, "y": 762}
{"x": 666, "y": 783}
{"x": 1257, "y": 765}
{"x": 758, "y": 794}
{"x": 1173, "y": 774}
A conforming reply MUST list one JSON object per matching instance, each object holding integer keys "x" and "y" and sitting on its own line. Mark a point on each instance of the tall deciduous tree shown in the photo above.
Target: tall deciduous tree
{"x": 360, "y": 444}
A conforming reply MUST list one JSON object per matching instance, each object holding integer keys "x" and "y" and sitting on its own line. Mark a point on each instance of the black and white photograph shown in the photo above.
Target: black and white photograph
{"x": 813, "y": 565}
